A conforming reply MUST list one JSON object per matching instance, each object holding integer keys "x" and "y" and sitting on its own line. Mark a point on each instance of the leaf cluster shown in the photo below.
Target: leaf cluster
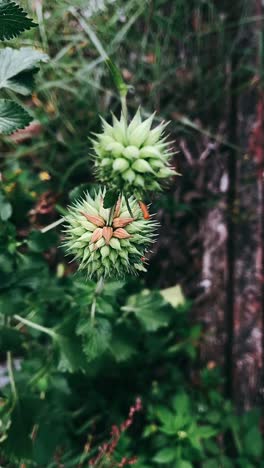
{"x": 17, "y": 67}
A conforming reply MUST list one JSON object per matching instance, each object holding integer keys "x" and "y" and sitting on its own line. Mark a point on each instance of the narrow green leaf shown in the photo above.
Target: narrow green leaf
{"x": 5, "y": 210}
{"x": 12, "y": 117}
{"x": 117, "y": 77}
{"x": 13, "y": 20}
{"x": 110, "y": 198}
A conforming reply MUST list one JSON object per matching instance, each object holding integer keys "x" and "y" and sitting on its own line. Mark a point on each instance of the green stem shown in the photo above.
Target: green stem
{"x": 52, "y": 225}
{"x": 124, "y": 105}
{"x": 111, "y": 215}
{"x": 11, "y": 374}
{"x": 36, "y": 326}
{"x": 98, "y": 290}
{"x": 236, "y": 440}
{"x": 128, "y": 206}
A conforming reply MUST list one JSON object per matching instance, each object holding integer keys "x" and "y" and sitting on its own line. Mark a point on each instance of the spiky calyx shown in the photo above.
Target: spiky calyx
{"x": 132, "y": 156}
{"x": 108, "y": 242}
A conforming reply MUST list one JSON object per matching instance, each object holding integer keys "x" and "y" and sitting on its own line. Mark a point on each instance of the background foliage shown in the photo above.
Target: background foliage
{"x": 66, "y": 379}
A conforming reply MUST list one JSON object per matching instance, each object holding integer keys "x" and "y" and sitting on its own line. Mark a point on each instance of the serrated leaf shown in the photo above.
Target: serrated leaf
{"x": 23, "y": 83}
{"x": 110, "y": 198}
{"x": 71, "y": 356}
{"x": 13, "y": 20}
{"x": 150, "y": 309}
{"x": 13, "y": 62}
{"x": 96, "y": 336}
{"x": 165, "y": 455}
{"x": 12, "y": 117}
{"x": 123, "y": 345}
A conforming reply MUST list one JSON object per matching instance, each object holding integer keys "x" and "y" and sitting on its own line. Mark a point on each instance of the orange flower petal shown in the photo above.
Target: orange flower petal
{"x": 97, "y": 220}
{"x": 117, "y": 208}
{"x": 121, "y": 233}
{"x": 144, "y": 210}
{"x": 97, "y": 234}
{"x": 122, "y": 222}
{"x": 107, "y": 233}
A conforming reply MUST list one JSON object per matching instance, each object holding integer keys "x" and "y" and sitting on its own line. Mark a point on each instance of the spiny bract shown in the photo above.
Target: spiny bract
{"x": 132, "y": 156}
{"x": 108, "y": 242}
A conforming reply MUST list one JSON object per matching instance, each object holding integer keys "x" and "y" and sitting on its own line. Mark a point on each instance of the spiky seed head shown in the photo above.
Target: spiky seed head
{"x": 106, "y": 244}
{"x": 132, "y": 155}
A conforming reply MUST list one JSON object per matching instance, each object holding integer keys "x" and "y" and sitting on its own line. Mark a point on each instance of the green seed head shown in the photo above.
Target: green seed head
{"x": 132, "y": 156}
{"x": 108, "y": 242}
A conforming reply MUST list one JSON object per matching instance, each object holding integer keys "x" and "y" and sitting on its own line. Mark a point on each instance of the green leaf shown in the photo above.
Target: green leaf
{"x": 117, "y": 77}
{"x": 71, "y": 355}
{"x": 150, "y": 309}
{"x": 181, "y": 403}
{"x": 40, "y": 242}
{"x": 12, "y": 117}
{"x": 123, "y": 344}
{"x": 18, "y": 444}
{"x": 173, "y": 295}
{"x": 110, "y": 198}
{"x": 183, "y": 464}
{"x": 165, "y": 455}
{"x": 96, "y": 336}
{"x": 13, "y": 20}
{"x": 206, "y": 432}
{"x": 5, "y": 210}
{"x": 253, "y": 442}
{"x": 23, "y": 83}
{"x": 13, "y": 62}
{"x": 10, "y": 339}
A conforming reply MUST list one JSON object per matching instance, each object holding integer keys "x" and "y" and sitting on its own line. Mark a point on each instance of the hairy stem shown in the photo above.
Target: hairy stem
{"x": 11, "y": 374}
{"x": 36, "y": 326}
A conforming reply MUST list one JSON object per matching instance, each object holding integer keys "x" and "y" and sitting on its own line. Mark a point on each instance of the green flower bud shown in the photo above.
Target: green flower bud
{"x": 139, "y": 181}
{"x": 106, "y": 243}
{"x": 149, "y": 152}
{"x": 120, "y": 165}
{"x": 115, "y": 148}
{"x": 129, "y": 175}
{"x": 131, "y": 152}
{"x": 123, "y": 148}
{"x": 165, "y": 172}
{"x": 142, "y": 166}
{"x": 105, "y": 162}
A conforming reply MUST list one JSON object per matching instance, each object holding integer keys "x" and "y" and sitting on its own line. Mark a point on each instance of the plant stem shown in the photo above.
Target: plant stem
{"x": 128, "y": 207}
{"x": 11, "y": 374}
{"x": 124, "y": 105}
{"x": 98, "y": 289}
{"x": 52, "y": 225}
{"x": 111, "y": 215}
{"x": 36, "y": 326}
